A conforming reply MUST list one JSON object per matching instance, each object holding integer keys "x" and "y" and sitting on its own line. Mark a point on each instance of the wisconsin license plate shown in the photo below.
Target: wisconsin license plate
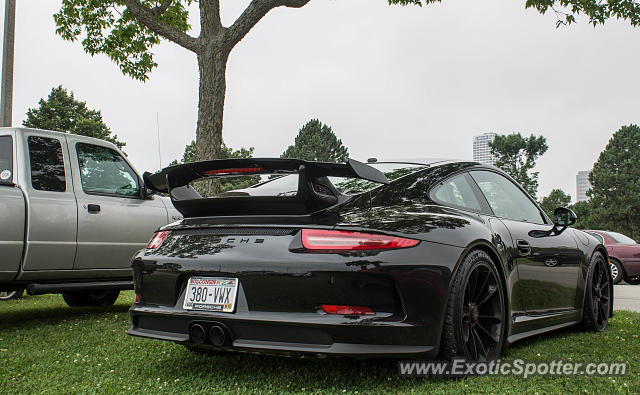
{"x": 211, "y": 294}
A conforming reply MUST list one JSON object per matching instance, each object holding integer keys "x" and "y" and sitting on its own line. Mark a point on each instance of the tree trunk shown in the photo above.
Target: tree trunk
{"x": 212, "y": 66}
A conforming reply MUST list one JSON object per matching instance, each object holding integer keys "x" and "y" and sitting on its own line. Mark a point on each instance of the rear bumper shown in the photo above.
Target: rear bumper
{"x": 280, "y": 291}
{"x": 298, "y": 334}
{"x": 631, "y": 266}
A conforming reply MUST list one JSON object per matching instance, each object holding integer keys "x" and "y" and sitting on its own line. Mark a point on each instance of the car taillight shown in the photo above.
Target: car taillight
{"x": 332, "y": 240}
{"x": 157, "y": 239}
{"x": 347, "y": 310}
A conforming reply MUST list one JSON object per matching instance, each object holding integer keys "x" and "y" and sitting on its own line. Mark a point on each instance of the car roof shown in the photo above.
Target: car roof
{"x": 421, "y": 161}
{"x": 20, "y": 131}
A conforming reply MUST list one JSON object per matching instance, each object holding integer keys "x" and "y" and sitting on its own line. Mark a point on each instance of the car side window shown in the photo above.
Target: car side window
{"x": 505, "y": 198}
{"x": 456, "y": 191}
{"x": 6, "y": 158}
{"x": 104, "y": 171}
{"x": 47, "y": 164}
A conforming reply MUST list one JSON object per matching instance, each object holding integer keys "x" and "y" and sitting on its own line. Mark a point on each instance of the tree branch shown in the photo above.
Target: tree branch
{"x": 252, "y": 15}
{"x": 149, "y": 18}
{"x": 162, "y": 8}
{"x": 210, "y": 23}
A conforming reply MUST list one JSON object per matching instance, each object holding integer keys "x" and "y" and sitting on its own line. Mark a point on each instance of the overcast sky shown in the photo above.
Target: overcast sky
{"x": 391, "y": 81}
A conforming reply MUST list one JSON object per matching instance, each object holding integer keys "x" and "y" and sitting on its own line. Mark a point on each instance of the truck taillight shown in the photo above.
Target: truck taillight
{"x": 157, "y": 239}
{"x": 333, "y": 240}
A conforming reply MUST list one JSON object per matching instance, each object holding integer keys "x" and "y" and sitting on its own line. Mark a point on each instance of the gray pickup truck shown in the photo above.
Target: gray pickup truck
{"x": 73, "y": 212}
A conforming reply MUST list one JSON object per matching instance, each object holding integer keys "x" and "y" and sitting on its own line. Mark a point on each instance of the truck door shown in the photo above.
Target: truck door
{"x": 51, "y": 203}
{"x": 11, "y": 213}
{"x": 114, "y": 222}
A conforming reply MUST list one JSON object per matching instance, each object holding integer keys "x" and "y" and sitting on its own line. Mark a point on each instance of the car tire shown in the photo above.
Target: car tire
{"x": 633, "y": 280}
{"x": 475, "y": 318}
{"x": 9, "y": 295}
{"x": 598, "y": 295}
{"x": 617, "y": 272}
{"x": 91, "y": 298}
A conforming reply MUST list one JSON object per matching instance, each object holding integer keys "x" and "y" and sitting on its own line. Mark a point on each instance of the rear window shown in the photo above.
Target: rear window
{"x": 6, "y": 158}
{"x": 277, "y": 186}
{"x": 288, "y": 185}
{"x": 393, "y": 171}
{"x": 620, "y": 238}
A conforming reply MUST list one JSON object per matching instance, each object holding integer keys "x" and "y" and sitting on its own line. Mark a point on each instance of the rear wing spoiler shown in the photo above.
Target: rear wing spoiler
{"x": 181, "y": 175}
{"x": 175, "y": 181}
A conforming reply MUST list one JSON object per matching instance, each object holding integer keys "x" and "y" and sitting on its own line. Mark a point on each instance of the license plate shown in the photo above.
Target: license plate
{"x": 211, "y": 294}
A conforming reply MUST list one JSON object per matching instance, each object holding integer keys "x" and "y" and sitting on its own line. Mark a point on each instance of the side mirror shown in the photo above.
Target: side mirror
{"x": 563, "y": 217}
{"x": 147, "y": 193}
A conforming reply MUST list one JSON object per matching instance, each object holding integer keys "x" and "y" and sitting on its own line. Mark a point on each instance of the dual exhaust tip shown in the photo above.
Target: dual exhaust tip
{"x": 215, "y": 334}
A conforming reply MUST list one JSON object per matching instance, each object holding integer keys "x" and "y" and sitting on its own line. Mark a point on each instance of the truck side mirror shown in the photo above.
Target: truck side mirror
{"x": 145, "y": 193}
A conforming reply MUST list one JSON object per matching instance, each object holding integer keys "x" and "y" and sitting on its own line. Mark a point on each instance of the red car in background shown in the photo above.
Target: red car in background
{"x": 624, "y": 255}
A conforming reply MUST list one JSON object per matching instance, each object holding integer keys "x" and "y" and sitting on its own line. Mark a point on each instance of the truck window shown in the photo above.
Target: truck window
{"x": 103, "y": 171}
{"x": 6, "y": 158}
{"x": 47, "y": 164}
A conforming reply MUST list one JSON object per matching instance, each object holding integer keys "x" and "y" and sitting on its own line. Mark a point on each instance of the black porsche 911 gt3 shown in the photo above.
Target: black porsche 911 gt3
{"x": 420, "y": 259}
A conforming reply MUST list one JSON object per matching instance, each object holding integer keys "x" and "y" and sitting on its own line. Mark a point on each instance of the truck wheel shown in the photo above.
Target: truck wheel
{"x": 91, "y": 298}
{"x": 8, "y": 295}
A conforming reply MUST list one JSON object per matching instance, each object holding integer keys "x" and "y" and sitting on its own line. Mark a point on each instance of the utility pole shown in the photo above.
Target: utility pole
{"x": 158, "y": 125}
{"x": 6, "y": 93}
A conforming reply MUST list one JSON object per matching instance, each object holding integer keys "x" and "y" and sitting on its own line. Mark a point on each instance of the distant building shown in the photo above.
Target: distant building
{"x": 481, "y": 149}
{"x": 582, "y": 185}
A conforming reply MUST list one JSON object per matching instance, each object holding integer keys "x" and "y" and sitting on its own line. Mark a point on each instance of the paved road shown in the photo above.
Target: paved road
{"x": 626, "y": 297}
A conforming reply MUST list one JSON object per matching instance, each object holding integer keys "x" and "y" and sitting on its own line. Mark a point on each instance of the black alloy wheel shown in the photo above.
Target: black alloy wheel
{"x": 474, "y": 327}
{"x": 597, "y": 304}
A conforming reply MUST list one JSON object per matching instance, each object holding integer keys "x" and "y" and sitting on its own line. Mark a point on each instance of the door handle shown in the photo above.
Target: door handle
{"x": 524, "y": 248}
{"x": 93, "y": 208}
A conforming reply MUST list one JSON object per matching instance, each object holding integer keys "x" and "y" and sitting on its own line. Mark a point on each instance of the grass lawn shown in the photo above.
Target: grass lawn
{"x": 47, "y": 347}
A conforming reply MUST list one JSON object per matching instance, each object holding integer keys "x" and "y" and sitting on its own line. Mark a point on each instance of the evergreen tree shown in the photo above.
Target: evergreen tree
{"x": 63, "y": 113}
{"x": 316, "y": 141}
{"x": 583, "y": 211}
{"x": 615, "y": 186}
